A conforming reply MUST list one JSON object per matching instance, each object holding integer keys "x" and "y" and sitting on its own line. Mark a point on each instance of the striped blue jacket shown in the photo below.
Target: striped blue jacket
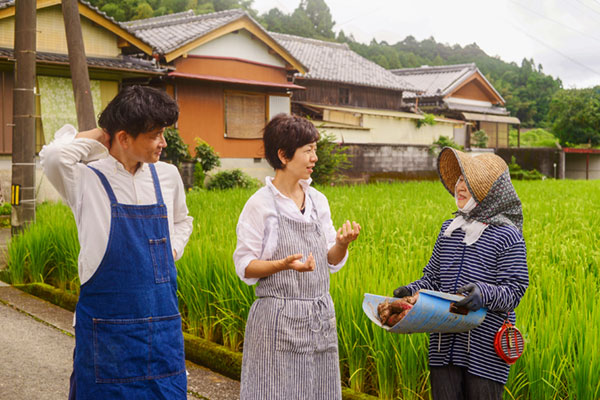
{"x": 497, "y": 263}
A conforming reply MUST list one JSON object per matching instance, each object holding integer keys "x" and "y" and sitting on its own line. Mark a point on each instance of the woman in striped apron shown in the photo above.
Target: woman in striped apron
{"x": 287, "y": 245}
{"x": 481, "y": 253}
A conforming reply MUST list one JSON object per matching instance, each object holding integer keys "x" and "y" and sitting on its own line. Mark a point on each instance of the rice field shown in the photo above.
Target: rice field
{"x": 559, "y": 315}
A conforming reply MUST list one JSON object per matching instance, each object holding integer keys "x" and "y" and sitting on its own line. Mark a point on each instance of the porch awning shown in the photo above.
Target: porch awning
{"x": 249, "y": 82}
{"x": 581, "y": 151}
{"x": 491, "y": 118}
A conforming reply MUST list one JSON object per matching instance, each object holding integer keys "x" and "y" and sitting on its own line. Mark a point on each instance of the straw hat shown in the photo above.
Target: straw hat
{"x": 480, "y": 171}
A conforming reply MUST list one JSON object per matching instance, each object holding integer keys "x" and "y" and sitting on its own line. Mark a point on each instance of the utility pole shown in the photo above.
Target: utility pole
{"x": 23, "y": 145}
{"x": 78, "y": 63}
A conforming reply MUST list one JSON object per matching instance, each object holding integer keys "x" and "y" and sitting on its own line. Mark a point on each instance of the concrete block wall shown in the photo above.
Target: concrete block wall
{"x": 375, "y": 162}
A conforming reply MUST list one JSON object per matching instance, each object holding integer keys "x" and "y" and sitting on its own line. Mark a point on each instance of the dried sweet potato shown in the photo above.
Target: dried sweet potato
{"x": 400, "y": 305}
{"x": 393, "y": 319}
{"x": 392, "y": 313}
{"x": 384, "y": 311}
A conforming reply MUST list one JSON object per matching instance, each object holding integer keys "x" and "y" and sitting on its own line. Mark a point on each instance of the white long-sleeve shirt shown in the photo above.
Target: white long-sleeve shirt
{"x": 257, "y": 226}
{"x": 63, "y": 163}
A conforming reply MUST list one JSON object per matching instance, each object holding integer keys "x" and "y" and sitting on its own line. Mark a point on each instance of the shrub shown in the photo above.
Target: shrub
{"x": 480, "y": 138}
{"x": 332, "y": 160}
{"x": 428, "y": 119}
{"x": 176, "y": 151}
{"x": 442, "y": 142}
{"x": 207, "y": 159}
{"x": 533, "y": 138}
{"x": 5, "y": 209}
{"x": 230, "y": 179}
{"x": 516, "y": 172}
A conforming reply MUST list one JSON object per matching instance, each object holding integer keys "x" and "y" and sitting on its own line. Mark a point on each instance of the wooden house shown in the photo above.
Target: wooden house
{"x": 104, "y": 38}
{"x": 337, "y": 76}
{"x": 461, "y": 92}
{"x": 361, "y": 104}
{"x": 108, "y": 67}
{"x": 229, "y": 77}
{"x": 354, "y": 98}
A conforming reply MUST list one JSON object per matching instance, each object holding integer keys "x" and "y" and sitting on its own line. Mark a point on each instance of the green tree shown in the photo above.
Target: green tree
{"x": 311, "y": 19}
{"x": 333, "y": 159}
{"x": 575, "y": 116}
{"x": 274, "y": 20}
{"x": 127, "y": 10}
{"x": 113, "y": 10}
{"x": 143, "y": 11}
{"x": 319, "y": 14}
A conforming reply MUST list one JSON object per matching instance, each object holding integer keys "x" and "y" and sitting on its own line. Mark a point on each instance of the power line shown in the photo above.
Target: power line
{"x": 361, "y": 16}
{"x": 284, "y": 7}
{"x": 553, "y": 49}
{"x": 555, "y": 21}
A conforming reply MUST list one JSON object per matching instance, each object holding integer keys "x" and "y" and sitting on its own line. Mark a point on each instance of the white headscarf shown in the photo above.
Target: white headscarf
{"x": 473, "y": 229}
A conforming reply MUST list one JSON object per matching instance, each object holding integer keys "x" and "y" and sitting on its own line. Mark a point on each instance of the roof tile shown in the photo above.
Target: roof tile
{"x": 336, "y": 62}
{"x": 169, "y": 32}
{"x": 435, "y": 81}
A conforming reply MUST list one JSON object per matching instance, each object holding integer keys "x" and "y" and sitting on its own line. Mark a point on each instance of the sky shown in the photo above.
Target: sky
{"x": 561, "y": 35}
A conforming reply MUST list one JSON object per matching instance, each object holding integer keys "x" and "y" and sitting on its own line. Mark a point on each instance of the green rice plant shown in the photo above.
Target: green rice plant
{"x": 39, "y": 255}
{"x": 558, "y": 316}
{"x": 47, "y": 250}
{"x": 16, "y": 259}
{"x": 217, "y": 303}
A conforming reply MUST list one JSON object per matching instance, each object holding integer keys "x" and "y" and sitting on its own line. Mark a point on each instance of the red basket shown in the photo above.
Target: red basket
{"x": 509, "y": 343}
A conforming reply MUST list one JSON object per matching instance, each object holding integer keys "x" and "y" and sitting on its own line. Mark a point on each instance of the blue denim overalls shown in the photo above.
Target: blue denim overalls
{"x": 129, "y": 343}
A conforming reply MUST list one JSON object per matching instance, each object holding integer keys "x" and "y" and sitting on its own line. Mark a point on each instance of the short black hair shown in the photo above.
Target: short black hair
{"x": 287, "y": 132}
{"x": 138, "y": 109}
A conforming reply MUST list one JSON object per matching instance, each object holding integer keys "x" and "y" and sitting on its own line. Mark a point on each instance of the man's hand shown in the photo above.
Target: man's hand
{"x": 96, "y": 134}
{"x": 347, "y": 233}
{"x": 474, "y": 299}
{"x": 293, "y": 262}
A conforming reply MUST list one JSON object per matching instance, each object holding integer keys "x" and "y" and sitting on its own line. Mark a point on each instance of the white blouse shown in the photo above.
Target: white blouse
{"x": 257, "y": 226}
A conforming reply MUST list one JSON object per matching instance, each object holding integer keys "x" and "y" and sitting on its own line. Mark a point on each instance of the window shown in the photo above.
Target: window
{"x": 245, "y": 115}
{"x": 344, "y": 96}
{"x": 278, "y": 104}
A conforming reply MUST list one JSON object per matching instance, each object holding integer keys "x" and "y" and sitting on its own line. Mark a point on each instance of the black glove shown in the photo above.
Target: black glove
{"x": 474, "y": 299}
{"x": 402, "y": 291}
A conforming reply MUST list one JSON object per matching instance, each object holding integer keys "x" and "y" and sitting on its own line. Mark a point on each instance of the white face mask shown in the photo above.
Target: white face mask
{"x": 471, "y": 204}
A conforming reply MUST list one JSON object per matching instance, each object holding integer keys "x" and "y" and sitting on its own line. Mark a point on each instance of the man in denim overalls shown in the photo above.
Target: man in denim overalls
{"x": 133, "y": 223}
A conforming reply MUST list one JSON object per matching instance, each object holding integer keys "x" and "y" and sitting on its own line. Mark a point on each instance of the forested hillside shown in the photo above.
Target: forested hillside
{"x": 525, "y": 87}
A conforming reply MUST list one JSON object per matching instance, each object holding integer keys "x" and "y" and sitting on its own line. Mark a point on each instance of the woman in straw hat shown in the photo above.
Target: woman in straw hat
{"x": 481, "y": 253}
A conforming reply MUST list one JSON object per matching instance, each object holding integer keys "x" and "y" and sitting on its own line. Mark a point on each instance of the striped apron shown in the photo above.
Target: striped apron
{"x": 290, "y": 343}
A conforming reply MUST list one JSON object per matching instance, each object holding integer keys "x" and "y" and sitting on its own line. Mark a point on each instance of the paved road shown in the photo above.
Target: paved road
{"x": 36, "y": 353}
{"x": 35, "y": 358}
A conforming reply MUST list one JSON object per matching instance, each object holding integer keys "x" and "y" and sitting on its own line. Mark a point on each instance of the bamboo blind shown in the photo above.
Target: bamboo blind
{"x": 245, "y": 115}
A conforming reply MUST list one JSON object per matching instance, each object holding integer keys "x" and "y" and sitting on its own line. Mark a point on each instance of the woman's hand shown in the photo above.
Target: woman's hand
{"x": 262, "y": 269}
{"x": 347, "y": 233}
{"x": 293, "y": 262}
